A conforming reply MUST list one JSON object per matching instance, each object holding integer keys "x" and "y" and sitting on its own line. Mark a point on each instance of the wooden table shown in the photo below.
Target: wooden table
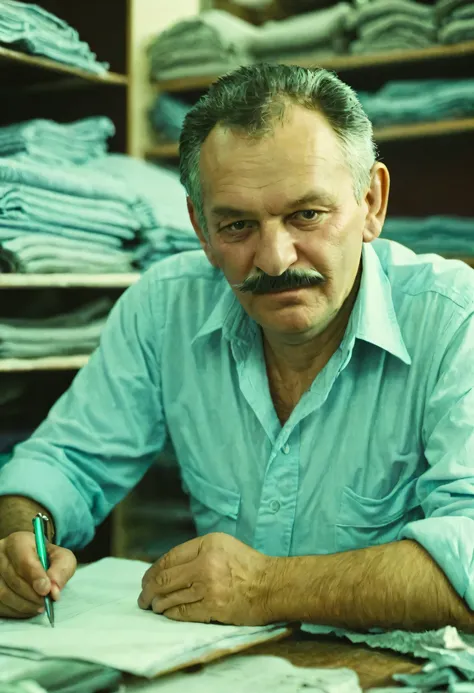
{"x": 374, "y": 667}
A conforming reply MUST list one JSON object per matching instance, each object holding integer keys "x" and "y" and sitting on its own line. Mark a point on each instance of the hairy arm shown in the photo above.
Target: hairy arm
{"x": 17, "y": 513}
{"x": 396, "y": 585}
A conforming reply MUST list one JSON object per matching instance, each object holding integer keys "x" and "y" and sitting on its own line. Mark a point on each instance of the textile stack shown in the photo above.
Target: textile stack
{"x": 455, "y": 20}
{"x": 384, "y": 25}
{"x": 446, "y": 235}
{"x": 31, "y": 29}
{"x": 56, "y": 216}
{"x": 427, "y": 100}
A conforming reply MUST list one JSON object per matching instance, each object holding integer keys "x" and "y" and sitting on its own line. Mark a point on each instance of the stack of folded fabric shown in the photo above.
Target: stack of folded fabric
{"x": 76, "y": 332}
{"x": 436, "y": 234}
{"x": 322, "y": 32}
{"x": 167, "y": 116}
{"x": 455, "y": 20}
{"x": 57, "y": 143}
{"x": 211, "y": 43}
{"x": 410, "y": 101}
{"x": 31, "y": 29}
{"x": 384, "y": 25}
{"x": 169, "y": 229}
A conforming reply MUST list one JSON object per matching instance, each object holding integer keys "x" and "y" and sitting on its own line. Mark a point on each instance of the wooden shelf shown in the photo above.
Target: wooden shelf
{"x": 11, "y": 56}
{"x": 104, "y": 281}
{"x": 340, "y": 63}
{"x": 392, "y": 133}
{"x": 48, "y": 363}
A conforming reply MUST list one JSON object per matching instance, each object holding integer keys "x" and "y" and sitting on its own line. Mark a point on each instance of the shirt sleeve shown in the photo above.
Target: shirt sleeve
{"x": 105, "y": 431}
{"x": 446, "y": 489}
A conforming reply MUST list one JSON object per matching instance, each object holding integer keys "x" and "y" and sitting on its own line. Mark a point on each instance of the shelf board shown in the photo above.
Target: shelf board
{"x": 103, "y": 281}
{"x": 12, "y": 56}
{"x": 387, "y": 134}
{"x": 48, "y": 363}
{"x": 340, "y": 63}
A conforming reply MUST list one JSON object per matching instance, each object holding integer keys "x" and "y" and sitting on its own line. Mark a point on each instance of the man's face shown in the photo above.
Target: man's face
{"x": 280, "y": 203}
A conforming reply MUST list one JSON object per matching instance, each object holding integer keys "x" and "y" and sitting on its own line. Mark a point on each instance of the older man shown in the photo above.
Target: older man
{"x": 316, "y": 384}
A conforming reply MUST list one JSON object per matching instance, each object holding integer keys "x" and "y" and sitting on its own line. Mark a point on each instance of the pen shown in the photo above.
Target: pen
{"x": 39, "y": 526}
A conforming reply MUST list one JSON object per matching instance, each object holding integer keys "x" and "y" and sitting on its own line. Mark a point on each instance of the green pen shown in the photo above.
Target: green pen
{"x": 39, "y": 527}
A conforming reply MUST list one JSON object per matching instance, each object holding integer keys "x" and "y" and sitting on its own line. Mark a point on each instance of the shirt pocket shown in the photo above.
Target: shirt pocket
{"x": 364, "y": 522}
{"x": 214, "y": 508}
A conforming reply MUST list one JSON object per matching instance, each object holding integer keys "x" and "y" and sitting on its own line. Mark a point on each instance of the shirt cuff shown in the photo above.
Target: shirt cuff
{"x": 47, "y": 486}
{"x": 450, "y": 542}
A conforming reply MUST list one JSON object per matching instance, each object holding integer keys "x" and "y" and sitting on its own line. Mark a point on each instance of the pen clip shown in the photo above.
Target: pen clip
{"x": 44, "y": 524}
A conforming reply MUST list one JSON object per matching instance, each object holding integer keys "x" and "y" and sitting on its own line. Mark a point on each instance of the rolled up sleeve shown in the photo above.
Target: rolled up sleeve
{"x": 446, "y": 489}
{"x": 102, "y": 435}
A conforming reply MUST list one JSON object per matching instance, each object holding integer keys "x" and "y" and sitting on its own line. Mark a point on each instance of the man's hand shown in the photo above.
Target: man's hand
{"x": 212, "y": 578}
{"x": 23, "y": 581}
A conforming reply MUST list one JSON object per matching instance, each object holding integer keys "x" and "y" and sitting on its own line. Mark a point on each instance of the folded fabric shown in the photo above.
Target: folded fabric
{"x": 302, "y": 32}
{"x": 57, "y": 143}
{"x": 405, "y": 41}
{"x": 435, "y": 234}
{"x": 216, "y": 36}
{"x": 380, "y": 9}
{"x": 419, "y": 101}
{"x": 457, "y": 31}
{"x": 167, "y": 116}
{"x": 71, "y": 333}
{"x": 443, "y": 8}
{"x": 32, "y": 29}
{"x": 36, "y": 254}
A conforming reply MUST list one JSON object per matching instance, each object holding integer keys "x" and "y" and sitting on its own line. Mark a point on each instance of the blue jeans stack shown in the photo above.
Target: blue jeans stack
{"x": 31, "y": 29}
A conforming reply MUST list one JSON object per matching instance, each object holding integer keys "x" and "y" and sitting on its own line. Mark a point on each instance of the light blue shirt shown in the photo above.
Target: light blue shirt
{"x": 380, "y": 448}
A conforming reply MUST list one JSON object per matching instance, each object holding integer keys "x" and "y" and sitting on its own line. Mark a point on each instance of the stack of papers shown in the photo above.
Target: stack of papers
{"x": 98, "y": 620}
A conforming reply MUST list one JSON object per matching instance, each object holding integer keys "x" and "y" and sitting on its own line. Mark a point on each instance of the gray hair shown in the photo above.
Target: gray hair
{"x": 252, "y": 98}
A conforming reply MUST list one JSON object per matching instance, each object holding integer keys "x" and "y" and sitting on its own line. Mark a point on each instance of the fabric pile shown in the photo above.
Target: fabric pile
{"x": 167, "y": 116}
{"x": 169, "y": 229}
{"x": 210, "y": 43}
{"x": 411, "y": 101}
{"x": 57, "y": 143}
{"x": 31, "y": 29}
{"x": 436, "y": 234}
{"x": 322, "y": 33}
{"x": 455, "y": 20}
{"x": 384, "y": 25}
{"x": 75, "y": 332}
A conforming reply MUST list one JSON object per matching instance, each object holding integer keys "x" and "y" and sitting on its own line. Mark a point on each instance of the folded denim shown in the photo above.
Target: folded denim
{"x": 159, "y": 189}
{"x": 25, "y": 204}
{"x": 419, "y": 101}
{"x": 398, "y": 42}
{"x": 80, "y": 316}
{"x": 368, "y": 12}
{"x": 302, "y": 32}
{"x": 394, "y": 23}
{"x": 442, "y": 234}
{"x": 73, "y": 143}
{"x": 34, "y": 29}
{"x": 167, "y": 116}
{"x": 456, "y": 31}
{"x": 99, "y": 241}
{"x": 76, "y": 346}
{"x": 27, "y": 225}
{"x": 191, "y": 69}
{"x": 443, "y": 8}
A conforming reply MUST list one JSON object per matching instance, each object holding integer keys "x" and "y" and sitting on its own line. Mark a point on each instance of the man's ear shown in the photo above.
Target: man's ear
{"x": 199, "y": 232}
{"x": 376, "y": 200}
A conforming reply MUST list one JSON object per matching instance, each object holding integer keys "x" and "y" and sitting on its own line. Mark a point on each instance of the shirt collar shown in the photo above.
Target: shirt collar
{"x": 373, "y": 317}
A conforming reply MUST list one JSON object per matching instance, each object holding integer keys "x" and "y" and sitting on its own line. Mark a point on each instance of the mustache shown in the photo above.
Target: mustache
{"x": 264, "y": 283}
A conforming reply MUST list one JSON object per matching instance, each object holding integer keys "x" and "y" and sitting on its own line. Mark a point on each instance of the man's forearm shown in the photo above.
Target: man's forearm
{"x": 17, "y": 513}
{"x": 396, "y": 585}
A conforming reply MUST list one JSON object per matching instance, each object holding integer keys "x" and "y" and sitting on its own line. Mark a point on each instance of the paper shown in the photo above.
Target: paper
{"x": 265, "y": 674}
{"x": 98, "y": 620}
{"x": 450, "y": 655}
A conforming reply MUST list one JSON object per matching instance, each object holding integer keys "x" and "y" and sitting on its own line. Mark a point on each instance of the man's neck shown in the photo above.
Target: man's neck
{"x": 290, "y": 362}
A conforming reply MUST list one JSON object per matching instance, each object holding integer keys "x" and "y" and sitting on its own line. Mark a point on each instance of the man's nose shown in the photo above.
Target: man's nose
{"x": 276, "y": 251}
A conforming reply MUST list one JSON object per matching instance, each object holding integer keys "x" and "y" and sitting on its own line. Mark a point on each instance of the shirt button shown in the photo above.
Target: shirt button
{"x": 286, "y": 449}
{"x": 274, "y": 506}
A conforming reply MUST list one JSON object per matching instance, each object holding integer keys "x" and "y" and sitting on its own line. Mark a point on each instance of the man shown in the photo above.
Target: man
{"x": 316, "y": 383}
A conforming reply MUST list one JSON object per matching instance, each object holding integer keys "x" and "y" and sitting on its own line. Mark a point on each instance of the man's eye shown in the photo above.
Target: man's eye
{"x": 308, "y": 214}
{"x": 238, "y": 226}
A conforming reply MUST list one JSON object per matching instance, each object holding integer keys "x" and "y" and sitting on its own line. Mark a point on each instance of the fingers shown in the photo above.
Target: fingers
{"x": 192, "y": 613}
{"x": 164, "y": 583}
{"x": 11, "y": 604}
{"x": 63, "y": 564}
{"x": 18, "y": 586}
{"x": 184, "y": 553}
{"x": 21, "y": 561}
{"x": 190, "y": 595}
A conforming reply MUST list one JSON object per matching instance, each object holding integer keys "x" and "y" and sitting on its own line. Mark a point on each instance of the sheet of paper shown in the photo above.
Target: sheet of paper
{"x": 265, "y": 674}
{"x": 98, "y": 620}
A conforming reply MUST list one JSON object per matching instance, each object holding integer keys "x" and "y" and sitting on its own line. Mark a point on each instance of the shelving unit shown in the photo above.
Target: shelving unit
{"x": 37, "y": 87}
